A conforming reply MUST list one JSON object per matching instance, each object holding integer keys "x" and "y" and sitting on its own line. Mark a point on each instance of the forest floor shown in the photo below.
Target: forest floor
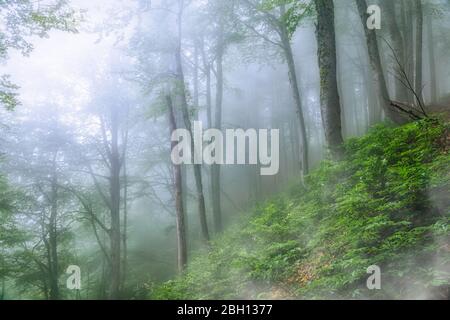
{"x": 386, "y": 204}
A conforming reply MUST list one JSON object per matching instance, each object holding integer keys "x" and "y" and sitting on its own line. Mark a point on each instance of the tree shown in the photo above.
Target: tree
{"x": 9, "y": 234}
{"x": 180, "y": 216}
{"x": 375, "y": 62}
{"x": 39, "y": 170}
{"x": 329, "y": 94}
{"x": 101, "y": 157}
{"x": 418, "y": 83}
{"x": 180, "y": 90}
{"x": 432, "y": 60}
{"x": 281, "y": 25}
{"x": 217, "y": 32}
{"x": 20, "y": 21}
{"x": 401, "y": 92}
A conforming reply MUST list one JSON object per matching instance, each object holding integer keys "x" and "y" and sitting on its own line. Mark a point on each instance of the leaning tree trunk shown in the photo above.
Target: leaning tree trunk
{"x": 287, "y": 49}
{"x": 375, "y": 62}
{"x": 180, "y": 216}
{"x": 329, "y": 94}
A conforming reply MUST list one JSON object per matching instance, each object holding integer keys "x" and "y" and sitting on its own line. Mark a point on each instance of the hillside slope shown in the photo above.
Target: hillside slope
{"x": 386, "y": 204}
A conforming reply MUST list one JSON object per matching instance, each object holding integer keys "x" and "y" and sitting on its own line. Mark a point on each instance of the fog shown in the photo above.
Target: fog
{"x": 87, "y": 148}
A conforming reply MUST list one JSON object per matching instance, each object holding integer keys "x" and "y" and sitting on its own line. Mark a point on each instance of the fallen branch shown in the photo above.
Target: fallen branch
{"x": 403, "y": 108}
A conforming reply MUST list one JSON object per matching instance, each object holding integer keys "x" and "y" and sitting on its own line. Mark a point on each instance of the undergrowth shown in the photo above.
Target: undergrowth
{"x": 386, "y": 204}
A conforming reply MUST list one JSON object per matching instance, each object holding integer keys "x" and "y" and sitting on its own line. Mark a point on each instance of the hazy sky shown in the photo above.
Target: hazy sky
{"x": 61, "y": 67}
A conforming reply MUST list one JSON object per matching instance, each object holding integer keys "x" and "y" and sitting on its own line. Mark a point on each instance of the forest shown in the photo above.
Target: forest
{"x": 224, "y": 149}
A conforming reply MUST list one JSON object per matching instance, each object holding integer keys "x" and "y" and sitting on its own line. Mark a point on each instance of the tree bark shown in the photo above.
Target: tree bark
{"x": 180, "y": 217}
{"x": 2, "y": 294}
{"x": 401, "y": 92}
{"x": 375, "y": 62}
{"x": 329, "y": 94}
{"x": 287, "y": 50}
{"x": 207, "y": 70}
{"x": 432, "y": 62}
{"x": 181, "y": 91}
{"x": 419, "y": 51}
{"x": 53, "y": 236}
{"x": 125, "y": 224}
{"x": 115, "y": 232}
{"x": 196, "y": 79}
{"x": 408, "y": 27}
{"x": 215, "y": 168}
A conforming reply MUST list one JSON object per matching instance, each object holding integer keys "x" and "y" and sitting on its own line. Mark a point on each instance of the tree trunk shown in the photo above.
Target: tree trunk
{"x": 207, "y": 68}
{"x": 401, "y": 92}
{"x": 125, "y": 224}
{"x": 187, "y": 122}
{"x": 432, "y": 62}
{"x": 207, "y": 71}
{"x": 52, "y": 236}
{"x": 215, "y": 168}
{"x": 2, "y": 294}
{"x": 287, "y": 49}
{"x": 180, "y": 219}
{"x": 375, "y": 62}
{"x": 419, "y": 51}
{"x": 408, "y": 27}
{"x": 196, "y": 79}
{"x": 329, "y": 94}
{"x": 115, "y": 232}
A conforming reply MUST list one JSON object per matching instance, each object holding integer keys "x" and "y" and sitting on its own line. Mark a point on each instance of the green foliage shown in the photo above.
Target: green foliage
{"x": 22, "y": 20}
{"x": 385, "y": 204}
{"x": 8, "y": 93}
{"x": 296, "y": 12}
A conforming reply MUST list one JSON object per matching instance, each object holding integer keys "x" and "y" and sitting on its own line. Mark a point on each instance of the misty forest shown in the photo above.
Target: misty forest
{"x": 92, "y": 205}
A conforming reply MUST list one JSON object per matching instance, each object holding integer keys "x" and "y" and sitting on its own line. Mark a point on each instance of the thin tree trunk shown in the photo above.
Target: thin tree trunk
{"x": 125, "y": 224}
{"x": 409, "y": 41}
{"x": 187, "y": 122}
{"x": 287, "y": 49}
{"x": 115, "y": 207}
{"x": 432, "y": 62}
{"x": 293, "y": 136}
{"x": 207, "y": 70}
{"x": 180, "y": 217}
{"x": 196, "y": 79}
{"x": 329, "y": 94}
{"x": 419, "y": 51}
{"x": 2, "y": 294}
{"x": 401, "y": 92}
{"x": 53, "y": 238}
{"x": 375, "y": 62}
{"x": 215, "y": 168}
